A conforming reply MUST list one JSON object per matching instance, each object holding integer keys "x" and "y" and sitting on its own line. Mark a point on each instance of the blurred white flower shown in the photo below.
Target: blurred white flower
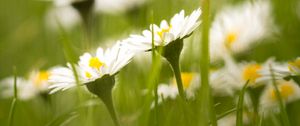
{"x": 116, "y": 6}
{"x": 27, "y": 87}
{"x": 294, "y": 66}
{"x": 60, "y": 3}
{"x": 179, "y": 27}
{"x": 219, "y": 83}
{"x": 91, "y": 67}
{"x": 280, "y": 70}
{"x": 236, "y": 28}
{"x": 190, "y": 81}
{"x": 233, "y": 76}
{"x": 230, "y": 120}
{"x": 288, "y": 90}
{"x": 62, "y": 13}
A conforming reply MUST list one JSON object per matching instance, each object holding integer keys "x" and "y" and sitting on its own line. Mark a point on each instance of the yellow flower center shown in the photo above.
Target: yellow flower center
{"x": 251, "y": 72}
{"x": 163, "y": 31}
{"x": 95, "y": 63}
{"x": 230, "y": 39}
{"x": 41, "y": 77}
{"x": 286, "y": 89}
{"x": 186, "y": 79}
{"x": 88, "y": 75}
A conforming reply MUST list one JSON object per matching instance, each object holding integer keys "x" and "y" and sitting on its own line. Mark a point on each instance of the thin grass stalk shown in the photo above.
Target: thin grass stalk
{"x": 240, "y": 105}
{"x": 156, "y": 123}
{"x": 226, "y": 113}
{"x": 206, "y": 107}
{"x": 70, "y": 56}
{"x": 14, "y": 102}
{"x": 283, "y": 113}
{"x": 260, "y": 122}
{"x": 218, "y": 117}
{"x": 151, "y": 82}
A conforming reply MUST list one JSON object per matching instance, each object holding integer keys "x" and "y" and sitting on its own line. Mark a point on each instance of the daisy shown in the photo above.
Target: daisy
{"x": 179, "y": 27}
{"x": 62, "y": 13}
{"x": 230, "y": 120}
{"x": 288, "y": 90}
{"x": 236, "y": 28}
{"x": 280, "y": 70}
{"x": 170, "y": 36}
{"x": 190, "y": 85}
{"x": 92, "y": 67}
{"x": 116, "y": 6}
{"x": 294, "y": 67}
{"x": 97, "y": 72}
{"x": 36, "y": 84}
{"x": 233, "y": 76}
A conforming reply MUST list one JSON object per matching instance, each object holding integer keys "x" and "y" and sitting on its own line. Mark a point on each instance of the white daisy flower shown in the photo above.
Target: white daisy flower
{"x": 27, "y": 88}
{"x": 280, "y": 70}
{"x": 116, "y": 6}
{"x": 179, "y": 27}
{"x": 62, "y": 13}
{"x": 294, "y": 66}
{"x": 190, "y": 83}
{"x": 230, "y": 120}
{"x": 60, "y": 3}
{"x": 236, "y": 28}
{"x": 234, "y": 75}
{"x": 92, "y": 67}
{"x": 289, "y": 91}
{"x": 219, "y": 84}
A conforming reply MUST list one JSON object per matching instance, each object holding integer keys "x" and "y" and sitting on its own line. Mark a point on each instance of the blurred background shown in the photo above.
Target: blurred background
{"x": 29, "y": 40}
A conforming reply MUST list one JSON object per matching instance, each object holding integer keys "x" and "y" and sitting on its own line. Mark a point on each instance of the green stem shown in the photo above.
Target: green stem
{"x": 102, "y": 87}
{"x": 177, "y": 73}
{"x": 12, "y": 111}
{"x": 109, "y": 104}
{"x": 14, "y": 102}
{"x": 154, "y": 58}
{"x": 283, "y": 112}
{"x": 239, "y": 114}
{"x": 85, "y": 9}
{"x": 172, "y": 54}
{"x": 206, "y": 101}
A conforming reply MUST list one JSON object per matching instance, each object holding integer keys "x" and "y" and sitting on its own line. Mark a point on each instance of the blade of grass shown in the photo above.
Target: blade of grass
{"x": 240, "y": 105}
{"x": 14, "y": 102}
{"x": 226, "y": 113}
{"x": 152, "y": 80}
{"x": 70, "y": 56}
{"x": 62, "y": 119}
{"x": 260, "y": 122}
{"x": 218, "y": 117}
{"x": 69, "y": 115}
{"x": 156, "y": 123}
{"x": 206, "y": 100}
{"x": 283, "y": 113}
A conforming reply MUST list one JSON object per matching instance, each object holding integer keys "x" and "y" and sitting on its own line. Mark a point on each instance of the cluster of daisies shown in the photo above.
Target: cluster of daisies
{"x": 68, "y": 17}
{"x": 233, "y": 30}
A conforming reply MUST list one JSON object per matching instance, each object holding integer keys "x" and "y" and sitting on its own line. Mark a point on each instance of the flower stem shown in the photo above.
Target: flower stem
{"x": 283, "y": 112}
{"x": 172, "y": 54}
{"x": 239, "y": 113}
{"x": 109, "y": 104}
{"x": 102, "y": 87}
{"x": 85, "y": 9}
{"x": 14, "y": 102}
